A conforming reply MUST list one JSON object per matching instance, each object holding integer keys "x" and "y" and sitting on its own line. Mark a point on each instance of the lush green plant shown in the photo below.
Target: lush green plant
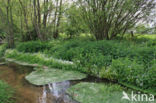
{"x": 96, "y": 93}
{"x": 2, "y": 49}
{"x": 104, "y": 19}
{"x": 125, "y": 70}
{"x": 75, "y": 24}
{"x": 6, "y": 93}
{"x": 113, "y": 59}
{"x": 40, "y": 59}
{"x": 32, "y": 46}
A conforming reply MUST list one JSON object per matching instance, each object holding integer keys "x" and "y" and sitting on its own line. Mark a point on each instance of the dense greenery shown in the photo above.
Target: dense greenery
{"x": 6, "y": 93}
{"x": 97, "y": 93}
{"x": 39, "y": 59}
{"x": 2, "y": 50}
{"x": 106, "y": 18}
{"x": 95, "y": 37}
{"x": 26, "y": 20}
{"x": 122, "y": 61}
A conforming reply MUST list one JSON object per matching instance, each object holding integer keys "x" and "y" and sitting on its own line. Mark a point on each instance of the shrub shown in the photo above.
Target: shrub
{"x": 124, "y": 61}
{"x": 32, "y": 46}
{"x": 2, "y": 49}
{"x": 40, "y": 59}
{"x": 125, "y": 70}
{"x": 151, "y": 43}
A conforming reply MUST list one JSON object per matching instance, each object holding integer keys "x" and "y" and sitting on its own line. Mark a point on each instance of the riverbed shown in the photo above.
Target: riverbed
{"x": 15, "y": 74}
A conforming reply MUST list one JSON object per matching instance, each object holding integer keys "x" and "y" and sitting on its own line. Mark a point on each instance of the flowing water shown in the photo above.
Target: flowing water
{"x": 14, "y": 75}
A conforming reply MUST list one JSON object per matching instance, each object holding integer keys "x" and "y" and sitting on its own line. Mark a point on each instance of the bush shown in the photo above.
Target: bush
{"x": 115, "y": 60}
{"x": 40, "y": 59}
{"x": 32, "y": 46}
{"x": 6, "y": 93}
{"x": 2, "y": 49}
{"x": 125, "y": 70}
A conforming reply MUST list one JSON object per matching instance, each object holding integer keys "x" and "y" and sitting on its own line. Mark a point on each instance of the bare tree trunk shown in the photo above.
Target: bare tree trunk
{"x": 25, "y": 18}
{"x": 39, "y": 14}
{"x": 55, "y": 16}
{"x": 45, "y": 13}
{"x": 10, "y": 36}
{"x": 56, "y": 34}
{"x": 35, "y": 23}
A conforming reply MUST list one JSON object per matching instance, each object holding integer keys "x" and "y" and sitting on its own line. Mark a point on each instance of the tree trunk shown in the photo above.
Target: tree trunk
{"x": 35, "y": 23}
{"x": 10, "y": 36}
{"x": 45, "y": 13}
{"x": 39, "y": 14}
{"x": 25, "y": 19}
{"x": 56, "y": 34}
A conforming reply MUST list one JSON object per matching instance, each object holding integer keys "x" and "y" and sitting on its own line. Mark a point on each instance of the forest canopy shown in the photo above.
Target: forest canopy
{"x": 43, "y": 20}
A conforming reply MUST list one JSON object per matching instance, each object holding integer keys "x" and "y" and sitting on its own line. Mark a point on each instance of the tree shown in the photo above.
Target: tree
{"x": 108, "y": 18}
{"x": 8, "y": 22}
{"x": 37, "y": 19}
{"x": 25, "y": 13}
{"x": 75, "y": 24}
{"x": 59, "y": 11}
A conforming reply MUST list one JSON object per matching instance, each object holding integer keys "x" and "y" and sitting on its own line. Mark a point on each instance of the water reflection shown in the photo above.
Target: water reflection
{"x": 14, "y": 75}
{"x": 58, "y": 90}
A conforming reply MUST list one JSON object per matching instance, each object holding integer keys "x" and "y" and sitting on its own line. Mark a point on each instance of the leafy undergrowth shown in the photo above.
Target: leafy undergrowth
{"x": 38, "y": 58}
{"x": 131, "y": 62}
{"x": 46, "y": 76}
{"x": 6, "y": 93}
{"x": 96, "y": 93}
{"x": 148, "y": 91}
{"x": 2, "y": 49}
{"x": 99, "y": 93}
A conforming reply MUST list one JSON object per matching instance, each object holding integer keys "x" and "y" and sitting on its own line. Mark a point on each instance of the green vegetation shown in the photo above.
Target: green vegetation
{"x": 106, "y": 39}
{"x": 2, "y": 50}
{"x": 46, "y": 76}
{"x": 122, "y": 61}
{"x": 99, "y": 93}
{"x": 6, "y": 93}
{"x": 38, "y": 58}
{"x": 96, "y": 93}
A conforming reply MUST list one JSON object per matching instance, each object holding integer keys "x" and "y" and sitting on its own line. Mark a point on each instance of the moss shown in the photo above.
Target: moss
{"x": 46, "y": 76}
{"x": 98, "y": 93}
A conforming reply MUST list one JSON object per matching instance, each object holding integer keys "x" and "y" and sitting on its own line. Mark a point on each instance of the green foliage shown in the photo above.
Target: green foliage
{"x": 96, "y": 93}
{"x": 75, "y": 24}
{"x": 107, "y": 19}
{"x": 113, "y": 60}
{"x": 141, "y": 29}
{"x": 127, "y": 71}
{"x": 40, "y": 59}
{"x": 32, "y": 46}
{"x": 151, "y": 43}
{"x": 6, "y": 93}
{"x": 2, "y": 34}
{"x": 2, "y": 49}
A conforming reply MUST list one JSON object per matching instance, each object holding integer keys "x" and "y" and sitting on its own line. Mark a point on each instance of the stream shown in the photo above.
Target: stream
{"x": 14, "y": 75}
